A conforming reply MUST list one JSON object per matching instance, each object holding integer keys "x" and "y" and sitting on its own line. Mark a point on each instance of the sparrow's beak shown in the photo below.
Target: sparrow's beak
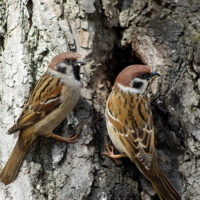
{"x": 154, "y": 74}
{"x": 80, "y": 62}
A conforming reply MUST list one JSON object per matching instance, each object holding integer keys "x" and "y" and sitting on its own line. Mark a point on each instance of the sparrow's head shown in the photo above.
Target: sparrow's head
{"x": 67, "y": 63}
{"x": 134, "y": 79}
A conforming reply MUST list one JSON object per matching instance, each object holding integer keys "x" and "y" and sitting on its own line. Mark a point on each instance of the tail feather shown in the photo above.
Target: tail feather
{"x": 9, "y": 172}
{"x": 159, "y": 180}
{"x": 163, "y": 187}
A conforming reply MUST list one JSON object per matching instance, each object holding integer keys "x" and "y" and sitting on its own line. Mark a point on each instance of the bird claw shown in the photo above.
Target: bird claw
{"x": 71, "y": 139}
{"x": 110, "y": 153}
{"x": 110, "y": 150}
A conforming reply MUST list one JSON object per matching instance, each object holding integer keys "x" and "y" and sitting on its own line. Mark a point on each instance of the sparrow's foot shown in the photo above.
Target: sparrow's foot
{"x": 70, "y": 139}
{"x": 110, "y": 153}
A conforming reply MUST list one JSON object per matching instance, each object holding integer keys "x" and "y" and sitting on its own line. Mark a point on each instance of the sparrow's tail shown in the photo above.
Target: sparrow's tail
{"x": 9, "y": 172}
{"x": 160, "y": 182}
{"x": 163, "y": 186}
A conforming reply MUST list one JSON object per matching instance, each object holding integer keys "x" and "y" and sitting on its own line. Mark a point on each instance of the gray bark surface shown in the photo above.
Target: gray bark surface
{"x": 110, "y": 35}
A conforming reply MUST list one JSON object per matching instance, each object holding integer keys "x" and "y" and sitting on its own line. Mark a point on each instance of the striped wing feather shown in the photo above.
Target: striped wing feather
{"x": 43, "y": 100}
{"x": 132, "y": 120}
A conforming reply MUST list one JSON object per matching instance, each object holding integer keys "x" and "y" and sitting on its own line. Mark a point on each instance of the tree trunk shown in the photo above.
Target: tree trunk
{"x": 110, "y": 35}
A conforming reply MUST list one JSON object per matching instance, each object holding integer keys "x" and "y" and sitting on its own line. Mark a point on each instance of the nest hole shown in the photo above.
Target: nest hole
{"x": 121, "y": 58}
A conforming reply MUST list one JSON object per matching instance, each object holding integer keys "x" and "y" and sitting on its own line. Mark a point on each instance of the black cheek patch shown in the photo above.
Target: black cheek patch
{"x": 61, "y": 69}
{"x": 137, "y": 84}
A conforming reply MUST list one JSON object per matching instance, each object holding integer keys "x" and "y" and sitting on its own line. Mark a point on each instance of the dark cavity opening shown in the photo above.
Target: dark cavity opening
{"x": 121, "y": 58}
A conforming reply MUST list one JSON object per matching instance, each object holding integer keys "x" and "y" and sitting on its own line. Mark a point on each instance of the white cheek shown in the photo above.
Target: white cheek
{"x": 133, "y": 90}
{"x": 67, "y": 79}
{"x": 144, "y": 87}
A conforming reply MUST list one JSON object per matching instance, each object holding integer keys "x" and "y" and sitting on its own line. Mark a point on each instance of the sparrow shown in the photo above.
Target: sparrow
{"x": 130, "y": 126}
{"x": 53, "y": 98}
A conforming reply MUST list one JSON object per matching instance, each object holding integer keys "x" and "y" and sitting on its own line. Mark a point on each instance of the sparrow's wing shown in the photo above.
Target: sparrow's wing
{"x": 43, "y": 100}
{"x": 132, "y": 120}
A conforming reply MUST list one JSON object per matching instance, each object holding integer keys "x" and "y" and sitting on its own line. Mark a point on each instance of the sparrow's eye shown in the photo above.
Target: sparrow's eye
{"x": 67, "y": 60}
{"x": 144, "y": 76}
{"x": 137, "y": 84}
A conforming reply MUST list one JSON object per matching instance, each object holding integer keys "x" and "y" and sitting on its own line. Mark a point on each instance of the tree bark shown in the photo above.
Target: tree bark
{"x": 110, "y": 35}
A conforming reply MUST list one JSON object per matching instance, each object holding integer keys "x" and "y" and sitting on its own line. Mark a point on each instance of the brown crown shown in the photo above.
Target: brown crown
{"x": 128, "y": 73}
{"x": 63, "y": 56}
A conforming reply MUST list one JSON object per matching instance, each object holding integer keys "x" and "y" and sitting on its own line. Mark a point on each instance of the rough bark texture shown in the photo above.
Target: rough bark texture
{"x": 162, "y": 34}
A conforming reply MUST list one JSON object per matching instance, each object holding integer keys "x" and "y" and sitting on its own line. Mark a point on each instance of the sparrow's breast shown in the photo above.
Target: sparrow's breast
{"x": 114, "y": 136}
{"x": 69, "y": 98}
